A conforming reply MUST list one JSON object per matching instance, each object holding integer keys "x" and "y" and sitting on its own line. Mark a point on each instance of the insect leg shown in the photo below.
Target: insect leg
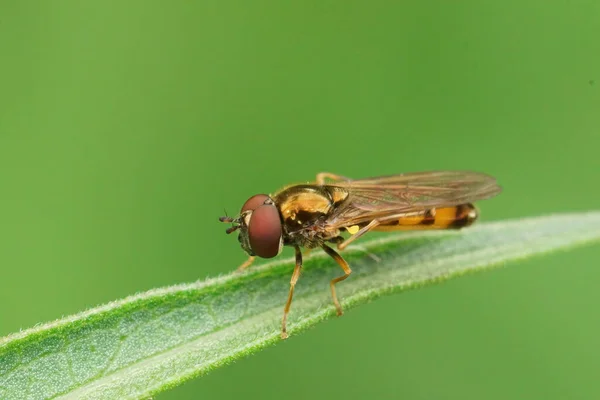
{"x": 347, "y": 271}
{"x": 246, "y": 264}
{"x": 323, "y": 176}
{"x": 293, "y": 282}
{"x": 336, "y": 240}
{"x": 358, "y": 234}
{"x": 339, "y": 239}
{"x": 376, "y": 223}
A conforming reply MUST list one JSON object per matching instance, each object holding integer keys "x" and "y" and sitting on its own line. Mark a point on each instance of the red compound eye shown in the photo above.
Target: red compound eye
{"x": 254, "y": 202}
{"x": 264, "y": 231}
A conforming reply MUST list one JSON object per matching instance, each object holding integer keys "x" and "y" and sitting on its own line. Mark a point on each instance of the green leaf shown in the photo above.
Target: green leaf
{"x": 144, "y": 344}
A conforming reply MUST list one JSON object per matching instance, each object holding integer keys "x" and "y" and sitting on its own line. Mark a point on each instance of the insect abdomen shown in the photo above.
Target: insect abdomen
{"x": 441, "y": 218}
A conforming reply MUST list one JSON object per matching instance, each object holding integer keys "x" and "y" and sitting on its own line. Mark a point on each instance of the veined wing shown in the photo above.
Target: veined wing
{"x": 409, "y": 193}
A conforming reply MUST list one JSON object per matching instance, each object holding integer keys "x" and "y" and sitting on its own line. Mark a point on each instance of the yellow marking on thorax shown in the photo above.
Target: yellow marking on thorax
{"x": 308, "y": 202}
{"x": 338, "y": 195}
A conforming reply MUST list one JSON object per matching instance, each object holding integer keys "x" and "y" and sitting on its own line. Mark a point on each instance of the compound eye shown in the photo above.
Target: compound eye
{"x": 254, "y": 202}
{"x": 264, "y": 231}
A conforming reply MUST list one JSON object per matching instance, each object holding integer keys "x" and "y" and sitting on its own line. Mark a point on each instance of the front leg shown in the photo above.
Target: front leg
{"x": 246, "y": 264}
{"x": 293, "y": 281}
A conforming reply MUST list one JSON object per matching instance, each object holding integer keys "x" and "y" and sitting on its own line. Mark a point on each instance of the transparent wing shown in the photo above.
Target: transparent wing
{"x": 409, "y": 193}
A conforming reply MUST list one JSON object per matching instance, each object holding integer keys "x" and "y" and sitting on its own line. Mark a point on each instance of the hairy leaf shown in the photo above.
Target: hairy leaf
{"x": 146, "y": 343}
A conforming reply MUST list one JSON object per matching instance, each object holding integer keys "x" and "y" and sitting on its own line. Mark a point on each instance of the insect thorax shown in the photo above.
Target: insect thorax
{"x": 304, "y": 210}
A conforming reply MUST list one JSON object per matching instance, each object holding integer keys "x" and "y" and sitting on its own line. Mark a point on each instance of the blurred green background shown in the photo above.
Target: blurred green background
{"x": 126, "y": 127}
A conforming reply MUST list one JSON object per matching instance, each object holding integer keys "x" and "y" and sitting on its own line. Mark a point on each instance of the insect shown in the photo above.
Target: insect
{"x": 316, "y": 214}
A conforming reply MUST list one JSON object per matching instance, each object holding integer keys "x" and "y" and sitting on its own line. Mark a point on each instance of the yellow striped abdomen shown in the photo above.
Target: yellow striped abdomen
{"x": 440, "y": 218}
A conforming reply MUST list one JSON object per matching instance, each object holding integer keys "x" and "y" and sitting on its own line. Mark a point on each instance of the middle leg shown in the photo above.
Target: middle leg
{"x": 347, "y": 271}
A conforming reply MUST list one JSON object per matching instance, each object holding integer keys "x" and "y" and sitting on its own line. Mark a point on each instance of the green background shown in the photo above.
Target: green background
{"x": 126, "y": 127}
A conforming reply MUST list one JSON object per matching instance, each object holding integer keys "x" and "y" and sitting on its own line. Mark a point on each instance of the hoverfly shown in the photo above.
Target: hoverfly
{"x": 312, "y": 215}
